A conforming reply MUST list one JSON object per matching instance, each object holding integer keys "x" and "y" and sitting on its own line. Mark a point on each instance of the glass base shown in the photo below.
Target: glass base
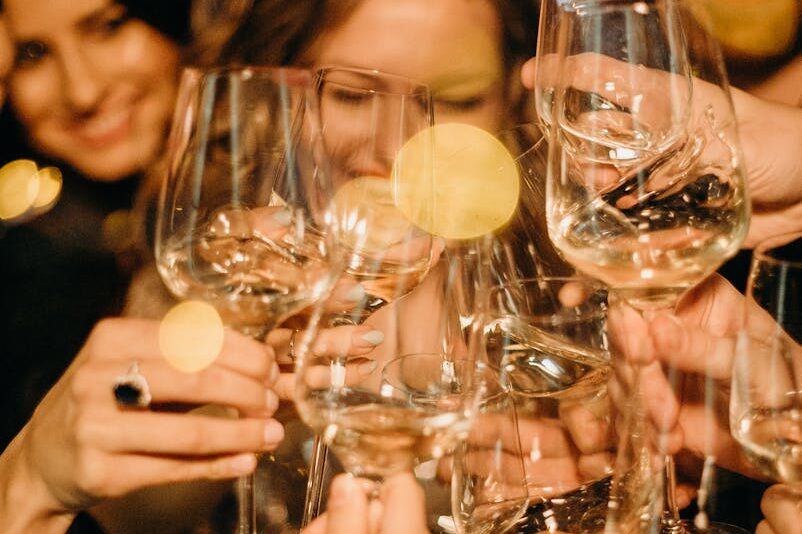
{"x": 714, "y": 527}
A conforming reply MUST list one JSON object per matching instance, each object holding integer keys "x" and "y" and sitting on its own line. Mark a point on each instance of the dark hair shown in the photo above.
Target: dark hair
{"x": 172, "y": 18}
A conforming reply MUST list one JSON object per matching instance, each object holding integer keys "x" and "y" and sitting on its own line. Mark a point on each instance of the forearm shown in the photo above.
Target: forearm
{"x": 25, "y": 503}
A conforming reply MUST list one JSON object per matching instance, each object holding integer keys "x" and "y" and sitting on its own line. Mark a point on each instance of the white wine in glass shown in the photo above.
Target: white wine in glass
{"x": 766, "y": 399}
{"x": 366, "y": 118}
{"x": 245, "y": 211}
{"x": 645, "y": 185}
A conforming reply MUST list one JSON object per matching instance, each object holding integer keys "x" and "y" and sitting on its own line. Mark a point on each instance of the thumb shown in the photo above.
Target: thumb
{"x": 404, "y": 506}
{"x": 347, "y": 509}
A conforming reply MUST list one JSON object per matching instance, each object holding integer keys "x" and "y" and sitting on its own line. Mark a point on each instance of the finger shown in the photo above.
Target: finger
{"x": 347, "y": 508}
{"x": 595, "y": 466}
{"x": 285, "y": 386}
{"x": 629, "y": 334}
{"x": 574, "y": 293}
{"x": 147, "y": 432}
{"x": 347, "y": 341}
{"x": 692, "y": 349}
{"x": 552, "y": 476}
{"x": 588, "y": 424}
{"x": 544, "y": 438}
{"x": 528, "y": 73}
{"x": 213, "y": 385}
{"x": 130, "y": 472}
{"x": 404, "y": 506}
{"x": 128, "y": 340}
{"x": 488, "y": 464}
{"x": 684, "y": 494}
{"x": 323, "y": 375}
{"x": 782, "y": 507}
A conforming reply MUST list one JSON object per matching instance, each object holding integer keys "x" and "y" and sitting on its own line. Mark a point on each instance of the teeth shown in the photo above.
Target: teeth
{"x": 105, "y": 123}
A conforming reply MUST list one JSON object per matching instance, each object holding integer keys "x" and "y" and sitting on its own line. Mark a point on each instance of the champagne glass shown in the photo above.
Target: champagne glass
{"x": 415, "y": 400}
{"x": 367, "y": 116}
{"x": 245, "y": 210}
{"x": 766, "y": 398}
{"x": 645, "y": 187}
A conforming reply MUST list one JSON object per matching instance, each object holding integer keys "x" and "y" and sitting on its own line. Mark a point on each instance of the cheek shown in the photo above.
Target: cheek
{"x": 33, "y": 94}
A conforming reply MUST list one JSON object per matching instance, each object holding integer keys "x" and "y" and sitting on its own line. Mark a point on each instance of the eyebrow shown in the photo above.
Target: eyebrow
{"x": 86, "y": 22}
{"x": 99, "y": 15}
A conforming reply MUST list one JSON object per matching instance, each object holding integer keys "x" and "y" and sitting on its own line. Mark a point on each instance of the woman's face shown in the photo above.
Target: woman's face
{"x": 454, "y": 46}
{"x": 93, "y": 87}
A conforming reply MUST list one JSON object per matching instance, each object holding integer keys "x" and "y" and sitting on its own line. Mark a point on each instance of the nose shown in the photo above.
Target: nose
{"x": 83, "y": 83}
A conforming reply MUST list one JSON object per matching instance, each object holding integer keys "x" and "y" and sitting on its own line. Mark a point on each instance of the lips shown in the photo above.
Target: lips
{"x": 105, "y": 129}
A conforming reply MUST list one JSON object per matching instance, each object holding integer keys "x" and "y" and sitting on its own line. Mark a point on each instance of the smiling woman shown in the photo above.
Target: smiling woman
{"x": 93, "y": 83}
{"x": 91, "y": 90}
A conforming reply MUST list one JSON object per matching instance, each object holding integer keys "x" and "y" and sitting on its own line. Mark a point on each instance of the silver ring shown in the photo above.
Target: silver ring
{"x": 131, "y": 390}
{"x": 291, "y": 349}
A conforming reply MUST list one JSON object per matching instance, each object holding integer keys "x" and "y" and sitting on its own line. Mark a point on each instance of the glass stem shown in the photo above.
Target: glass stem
{"x": 314, "y": 486}
{"x": 673, "y": 523}
{"x": 247, "y": 511}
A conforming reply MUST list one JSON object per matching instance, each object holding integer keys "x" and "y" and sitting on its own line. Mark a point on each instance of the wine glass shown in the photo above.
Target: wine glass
{"x": 367, "y": 116}
{"x": 488, "y": 485}
{"x": 645, "y": 185}
{"x": 766, "y": 398}
{"x": 415, "y": 399}
{"x": 547, "y": 337}
{"x": 245, "y": 211}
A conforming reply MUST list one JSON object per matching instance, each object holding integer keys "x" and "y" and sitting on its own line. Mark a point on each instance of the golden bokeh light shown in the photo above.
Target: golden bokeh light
{"x": 191, "y": 336}
{"x": 475, "y": 185}
{"x": 49, "y": 188}
{"x": 19, "y": 187}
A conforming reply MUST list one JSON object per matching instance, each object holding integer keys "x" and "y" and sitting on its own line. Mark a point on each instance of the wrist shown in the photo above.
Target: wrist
{"x": 26, "y": 505}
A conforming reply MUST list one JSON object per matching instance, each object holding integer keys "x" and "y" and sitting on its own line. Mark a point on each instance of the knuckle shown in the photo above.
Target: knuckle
{"x": 94, "y": 476}
{"x": 85, "y": 430}
{"x": 198, "y": 437}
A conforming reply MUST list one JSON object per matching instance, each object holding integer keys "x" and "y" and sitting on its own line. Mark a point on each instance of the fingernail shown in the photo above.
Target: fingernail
{"x": 356, "y": 293}
{"x": 243, "y": 464}
{"x": 342, "y": 490}
{"x": 283, "y": 217}
{"x": 373, "y": 338}
{"x": 274, "y": 432}
{"x": 366, "y": 368}
{"x": 271, "y": 402}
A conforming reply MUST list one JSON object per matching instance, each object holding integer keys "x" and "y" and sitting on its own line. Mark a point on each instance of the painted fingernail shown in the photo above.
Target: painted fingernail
{"x": 274, "y": 432}
{"x": 271, "y": 401}
{"x": 366, "y": 368}
{"x": 242, "y": 464}
{"x": 372, "y": 338}
{"x": 283, "y": 217}
{"x": 342, "y": 490}
{"x": 356, "y": 293}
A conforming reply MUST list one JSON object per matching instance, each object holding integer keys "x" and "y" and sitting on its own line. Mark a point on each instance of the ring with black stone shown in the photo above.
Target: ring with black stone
{"x": 131, "y": 389}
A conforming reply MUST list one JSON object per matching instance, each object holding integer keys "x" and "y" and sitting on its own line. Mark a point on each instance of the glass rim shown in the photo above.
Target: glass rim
{"x": 476, "y": 366}
{"x": 292, "y": 75}
{"x": 416, "y": 88}
{"x": 762, "y": 251}
{"x": 592, "y": 282}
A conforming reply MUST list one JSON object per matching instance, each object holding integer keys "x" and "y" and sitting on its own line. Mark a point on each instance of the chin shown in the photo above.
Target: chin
{"x": 113, "y": 165}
